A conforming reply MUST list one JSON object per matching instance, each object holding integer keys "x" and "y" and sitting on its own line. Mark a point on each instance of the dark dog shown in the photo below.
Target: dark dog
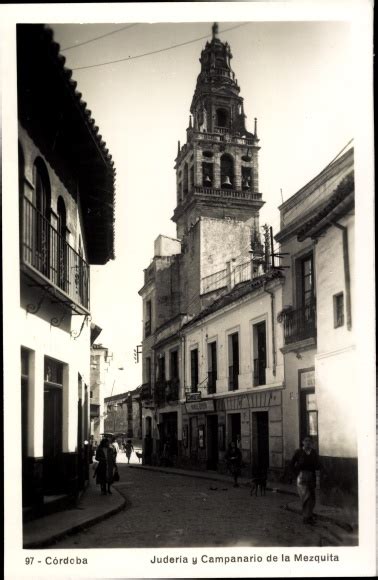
{"x": 257, "y": 482}
{"x": 139, "y": 455}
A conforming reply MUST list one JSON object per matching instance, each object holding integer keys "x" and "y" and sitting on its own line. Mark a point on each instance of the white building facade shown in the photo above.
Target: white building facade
{"x": 232, "y": 359}
{"x": 317, "y": 233}
{"x": 57, "y": 246}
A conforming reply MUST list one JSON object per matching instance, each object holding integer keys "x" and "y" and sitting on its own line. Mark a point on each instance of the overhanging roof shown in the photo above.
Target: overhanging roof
{"x": 57, "y": 119}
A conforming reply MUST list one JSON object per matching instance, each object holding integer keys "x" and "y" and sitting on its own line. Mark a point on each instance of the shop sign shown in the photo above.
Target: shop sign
{"x": 191, "y": 397}
{"x": 200, "y": 406}
{"x": 307, "y": 379}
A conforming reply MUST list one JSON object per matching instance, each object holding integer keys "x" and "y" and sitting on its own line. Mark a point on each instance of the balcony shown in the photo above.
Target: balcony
{"x": 52, "y": 261}
{"x": 233, "y": 378}
{"x": 227, "y": 193}
{"x": 146, "y": 392}
{"x": 259, "y": 372}
{"x": 300, "y": 324}
{"x": 166, "y": 391}
{"x": 211, "y": 382}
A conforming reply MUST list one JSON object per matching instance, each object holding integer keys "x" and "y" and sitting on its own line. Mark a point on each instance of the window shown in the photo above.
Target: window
{"x": 300, "y": 323}
{"x": 246, "y": 178}
{"x": 227, "y": 171}
{"x": 194, "y": 369}
{"x": 173, "y": 365}
{"x": 41, "y": 224}
{"x": 161, "y": 369}
{"x": 61, "y": 245}
{"x": 306, "y": 286}
{"x": 147, "y": 324}
{"x": 148, "y": 370}
{"x": 186, "y": 179}
{"x": 222, "y": 118}
{"x": 259, "y": 354}
{"x": 212, "y": 367}
{"x": 338, "y": 309}
{"x": 233, "y": 357}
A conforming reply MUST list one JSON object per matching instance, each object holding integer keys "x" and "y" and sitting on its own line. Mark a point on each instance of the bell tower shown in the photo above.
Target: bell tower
{"x": 217, "y": 167}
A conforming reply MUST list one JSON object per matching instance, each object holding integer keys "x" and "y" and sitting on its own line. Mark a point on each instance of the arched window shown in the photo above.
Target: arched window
{"x": 61, "y": 245}
{"x": 227, "y": 171}
{"x": 222, "y": 118}
{"x": 246, "y": 178}
{"x": 42, "y": 188}
{"x": 207, "y": 174}
{"x": 40, "y": 216}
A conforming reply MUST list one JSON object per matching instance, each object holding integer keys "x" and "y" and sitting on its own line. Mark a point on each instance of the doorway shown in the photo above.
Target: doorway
{"x": 309, "y": 416}
{"x": 52, "y": 426}
{"x": 234, "y": 427}
{"x": 52, "y": 439}
{"x": 212, "y": 442}
{"x": 260, "y": 442}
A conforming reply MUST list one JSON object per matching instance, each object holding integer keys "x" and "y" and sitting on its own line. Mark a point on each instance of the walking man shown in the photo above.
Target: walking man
{"x": 304, "y": 464}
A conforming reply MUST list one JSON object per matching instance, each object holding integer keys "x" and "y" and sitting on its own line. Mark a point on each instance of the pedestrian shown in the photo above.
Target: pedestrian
{"x": 234, "y": 460}
{"x": 106, "y": 466}
{"x": 304, "y": 464}
{"x": 115, "y": 446}
{"x": 128, "y": 449}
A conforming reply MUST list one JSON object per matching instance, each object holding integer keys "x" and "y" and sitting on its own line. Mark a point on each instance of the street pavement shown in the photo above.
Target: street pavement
{"x": 163, "y": 509}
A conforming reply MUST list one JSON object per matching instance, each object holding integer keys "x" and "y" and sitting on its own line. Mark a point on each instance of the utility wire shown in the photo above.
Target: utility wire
{"x": 339, "y": 153}
{"x": 155, "y": 51}
{"x": 98, "y": 37}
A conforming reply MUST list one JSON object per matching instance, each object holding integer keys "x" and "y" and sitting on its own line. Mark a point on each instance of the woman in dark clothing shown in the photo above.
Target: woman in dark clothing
{"x": 106, "y": 463}
{"x": 304, "y": 464}
{"x": 234, "y": 459}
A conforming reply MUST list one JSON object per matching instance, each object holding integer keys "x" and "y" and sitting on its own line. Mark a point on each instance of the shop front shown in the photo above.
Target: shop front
{"x": 253, "y": 420}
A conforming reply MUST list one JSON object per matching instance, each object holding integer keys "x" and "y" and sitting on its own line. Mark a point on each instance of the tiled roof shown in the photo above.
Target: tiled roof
{"x": 342, "y": 197}
{"x": 58, "y": 120}
{"x": 235, "y": 294}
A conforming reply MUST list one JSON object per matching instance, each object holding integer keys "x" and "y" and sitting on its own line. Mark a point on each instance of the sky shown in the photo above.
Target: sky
{"x": 296, "y": 78}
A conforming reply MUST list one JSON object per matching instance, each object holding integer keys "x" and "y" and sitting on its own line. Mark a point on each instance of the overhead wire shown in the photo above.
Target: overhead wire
{"x": 156, "y": 51}
{"x": 98, "y": 37}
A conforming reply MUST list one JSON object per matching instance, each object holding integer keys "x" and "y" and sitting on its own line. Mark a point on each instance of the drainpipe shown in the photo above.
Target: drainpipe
{"x": 273, "y": 328}
{"x": 346, "y": 274}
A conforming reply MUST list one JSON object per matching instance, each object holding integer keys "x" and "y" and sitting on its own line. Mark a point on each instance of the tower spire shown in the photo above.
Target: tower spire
{"x": 215, "y": 30}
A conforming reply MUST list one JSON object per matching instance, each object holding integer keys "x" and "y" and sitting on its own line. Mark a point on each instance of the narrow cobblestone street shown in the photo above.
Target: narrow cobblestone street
{"x": 165, "y": 510}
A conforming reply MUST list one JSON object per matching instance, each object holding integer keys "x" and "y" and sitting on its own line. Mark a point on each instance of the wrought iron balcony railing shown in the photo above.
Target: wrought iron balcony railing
{"x": 233, "y": 378}
{"x": 172, "y": 390}
{"x": 300, "y": 324}
{"x": 211, "y": 382}
{"x": 146, "y": 392}
{"x": 48, "y": 254}
{"x": 259, "y": 372}
{"x": 166, "y": 391}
